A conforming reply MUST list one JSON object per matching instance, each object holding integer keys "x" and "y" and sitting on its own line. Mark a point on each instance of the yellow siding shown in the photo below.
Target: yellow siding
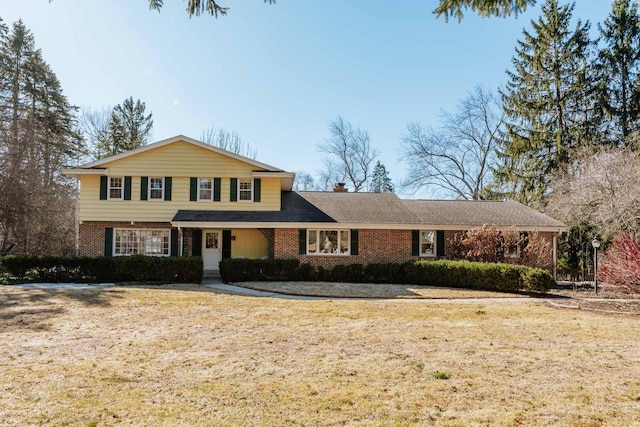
{"x": 180, "y": 161}
{"x": 250, "y": 244}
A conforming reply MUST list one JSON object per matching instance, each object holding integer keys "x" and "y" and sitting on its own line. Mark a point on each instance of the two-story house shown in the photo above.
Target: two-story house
{"x": 183, "y": 197}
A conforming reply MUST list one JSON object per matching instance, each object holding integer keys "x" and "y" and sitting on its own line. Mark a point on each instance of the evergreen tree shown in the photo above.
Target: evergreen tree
{"x": 37, "y": 139}
{"x": 484, "y": 8}
{"x": 549, "y": 103}
{"x": 619, "y": 62}
{"x": 380, "y": 181}
{"x": 129, "y": 127}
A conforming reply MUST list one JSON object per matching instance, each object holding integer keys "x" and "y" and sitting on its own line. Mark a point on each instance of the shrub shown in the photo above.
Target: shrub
{"x": 621, "y": 263}
{"x": 27, "y": 268}
{"x": 243, "y": 270}
{"x": 473, "y": 275}
{"x": 384, "y": 273}
{"x": 134, "y": 267}
{"x": 353, "y": 273}
{"x": 179, "y": 269}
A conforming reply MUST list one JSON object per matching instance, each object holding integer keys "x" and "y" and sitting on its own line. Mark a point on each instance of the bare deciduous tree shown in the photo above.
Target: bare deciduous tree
{"x": 94, "y": 125}
{"x": 304, "y": 182}
{"x": 455, "y": 159}
{"x": 600, "y": 189}
{"x": 351, "y": 156}
{"x": 229, "y": 141}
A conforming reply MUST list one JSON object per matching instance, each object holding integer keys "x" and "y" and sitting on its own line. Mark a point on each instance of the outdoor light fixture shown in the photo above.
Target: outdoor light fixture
{"x": 596, "y": 244}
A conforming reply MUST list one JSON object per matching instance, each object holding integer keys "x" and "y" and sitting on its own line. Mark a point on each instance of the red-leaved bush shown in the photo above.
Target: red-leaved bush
{"x": 621, "y": 263}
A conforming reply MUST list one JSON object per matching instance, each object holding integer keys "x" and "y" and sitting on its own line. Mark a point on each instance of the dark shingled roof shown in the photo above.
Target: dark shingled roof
{"x": 294, "y": 209}
{"x": 380, "y": 208}
{"x": 478, "y": 213}
{"x": 362, "y": 208}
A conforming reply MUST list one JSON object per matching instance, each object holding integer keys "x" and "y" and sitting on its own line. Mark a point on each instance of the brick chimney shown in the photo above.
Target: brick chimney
{"x": 339, "y": 188}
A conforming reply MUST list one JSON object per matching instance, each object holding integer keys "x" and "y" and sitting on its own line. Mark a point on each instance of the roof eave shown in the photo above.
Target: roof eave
{"x": 85, "y": 171}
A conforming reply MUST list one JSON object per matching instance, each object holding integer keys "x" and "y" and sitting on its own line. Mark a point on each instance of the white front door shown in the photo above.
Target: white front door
{"x": 211, "y": 249}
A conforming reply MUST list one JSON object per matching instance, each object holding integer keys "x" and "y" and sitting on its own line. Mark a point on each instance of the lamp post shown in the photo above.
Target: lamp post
{"x": 596, "y": 244}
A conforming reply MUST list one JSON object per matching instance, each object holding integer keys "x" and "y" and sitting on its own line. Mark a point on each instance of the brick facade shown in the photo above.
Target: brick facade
{"x": 380, "y": 246}
{"x": 91, "y": 234}
{"x": 374, "y": 246}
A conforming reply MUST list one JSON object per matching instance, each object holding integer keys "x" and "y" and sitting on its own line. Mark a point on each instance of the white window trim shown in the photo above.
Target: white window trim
{"x": 213, "y": 190}
{"x": 250, "y": 181}
{"x": 318, "y": 253}
{"x": 513, "y": 256}
{"x": 121, "y": 188}
{"x": 435, "y": 244}
{"x": 149, "y": 189}
{"x": 164, "y": 230}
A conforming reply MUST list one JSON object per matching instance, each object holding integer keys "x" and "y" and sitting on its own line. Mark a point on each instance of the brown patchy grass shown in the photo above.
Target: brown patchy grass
{"x": 372, "y": 290}
{"x": 184, "y": 356}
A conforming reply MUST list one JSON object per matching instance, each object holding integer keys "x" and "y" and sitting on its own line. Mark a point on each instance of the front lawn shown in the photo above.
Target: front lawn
{"x": 136, "y": 356}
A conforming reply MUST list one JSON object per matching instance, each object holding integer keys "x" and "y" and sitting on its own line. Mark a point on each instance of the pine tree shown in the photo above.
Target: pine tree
{"x": 549, "y": 103}
{"x": 380, "y": 181}
{"x": 37, "y": 139}
{"x": 619, "y": 62}
{"x": 129, "y": 128}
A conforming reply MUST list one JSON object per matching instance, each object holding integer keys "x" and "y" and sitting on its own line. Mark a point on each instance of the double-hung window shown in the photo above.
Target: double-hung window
{"x": 156, "y": 188}
{"x": 129, "y": 241}
{"x": 116, "y": 188}
{"x": 428, "y": 243}
{"x": 245, "y": 190}
{"x": 205, "y": 189}
{"x": 328, "y": 242}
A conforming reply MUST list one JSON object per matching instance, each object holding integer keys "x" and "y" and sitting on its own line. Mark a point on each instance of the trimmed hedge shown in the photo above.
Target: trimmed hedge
{"x": 251, "y": 270}
{"x": 464, "y": 274}
{"x": 29, "y": 268}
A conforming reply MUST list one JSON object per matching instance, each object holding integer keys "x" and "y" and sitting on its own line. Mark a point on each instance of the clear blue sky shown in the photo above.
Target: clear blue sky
{"x": 277, "y": 74}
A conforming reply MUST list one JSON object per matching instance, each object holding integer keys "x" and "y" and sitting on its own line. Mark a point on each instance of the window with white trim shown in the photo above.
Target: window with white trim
{"x": 427, "y": 243}
{"x": 205, "y": 189}
{"x": 130, "y": 241}
{"x": 116, "y": 188}
{"x": 245, "y": 190}
{"x": 512, "y": 250}
{"x": 156, "y": 188}
{"x": 328, "y": 242}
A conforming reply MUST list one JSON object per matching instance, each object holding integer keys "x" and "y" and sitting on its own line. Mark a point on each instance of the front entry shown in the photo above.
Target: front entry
{"x": 211, "y": 249}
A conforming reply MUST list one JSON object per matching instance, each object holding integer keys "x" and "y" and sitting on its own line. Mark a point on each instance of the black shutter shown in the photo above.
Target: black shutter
{"x": 173, "y": 251}
{"x": 233, "y": 196}
{"x": 257, "y": 187}
{"x": 193, "y": 189}
{"x": 167, "y": 188}
{"x": 415, "y": 242}
{"x": 354, "y": 242}
{"x": 144, "y": 187}
{"x": 217, "y": 184}
{"x": 440, "y": 243}
{"x": 196, "y": 243}
{"x": 103, "y": 187}
{"x": 302, "y": 241}
{"x": 108, "y": 241}
{"x": 127, "y": 188}
{"x": 226, "y": 244}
